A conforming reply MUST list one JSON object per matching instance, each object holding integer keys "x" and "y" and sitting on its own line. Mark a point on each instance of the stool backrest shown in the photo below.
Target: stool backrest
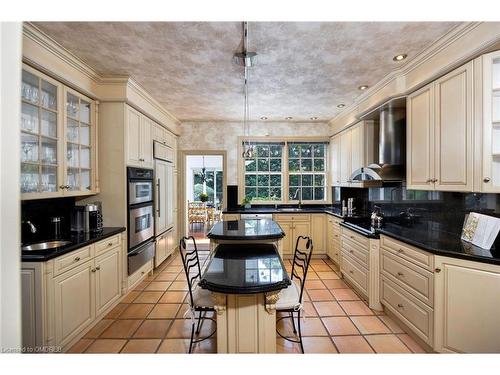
{"x": 191, "y": 264}
{"x": 301, "y": 261}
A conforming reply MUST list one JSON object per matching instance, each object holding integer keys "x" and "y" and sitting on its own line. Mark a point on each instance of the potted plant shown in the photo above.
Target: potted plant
{"x": 203, "y": 197}
{"x": 246, "y": 203}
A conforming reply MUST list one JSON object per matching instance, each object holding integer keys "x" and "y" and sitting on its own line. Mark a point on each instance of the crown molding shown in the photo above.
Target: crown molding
{"x": 459, "y": 45}
{"x": 45, "y": 54}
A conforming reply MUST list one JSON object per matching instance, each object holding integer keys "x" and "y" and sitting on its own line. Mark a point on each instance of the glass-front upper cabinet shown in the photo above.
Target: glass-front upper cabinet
{"x": 57, "y": 139}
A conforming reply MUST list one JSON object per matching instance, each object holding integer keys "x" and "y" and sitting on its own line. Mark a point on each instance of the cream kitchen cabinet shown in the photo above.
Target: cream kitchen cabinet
{"x": 163, "y": 136}
{"x": 335, "y": 160}
{"x": 165, "y": 246}
{"x": 440, "y": 133}
{"x": 139, "y": 139}
{"x": 230, "y": 217}
{"x": 293, "y": 226}
{"x": 333, "y": 238}
{"x": 466, "y": 306}
{"x": 58, "y": 139}
{"x": 345, "y": 157}
{"x": 65, "y": 296}
{"x": 318, "y": 233}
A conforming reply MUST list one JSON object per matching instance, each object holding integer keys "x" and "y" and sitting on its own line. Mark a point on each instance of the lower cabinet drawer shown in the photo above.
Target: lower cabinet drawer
{"x": 356, "y": 251}
{"x": 73, "y": 259}
{"x": 108, "y": 243}
{"x": 354, "y": 272}
{"x": 137, "y": 275}
{"x": 416, "y": 315}
{"x": 412, "y": 254}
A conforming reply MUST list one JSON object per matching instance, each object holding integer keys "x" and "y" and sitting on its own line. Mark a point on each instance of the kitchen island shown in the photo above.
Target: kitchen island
{"x": 255, "y": 231}
{"x": 245, "y": 280}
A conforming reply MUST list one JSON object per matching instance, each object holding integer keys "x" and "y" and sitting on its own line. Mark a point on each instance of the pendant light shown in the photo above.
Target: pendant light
{"x": 203, "y": 173}
{"x": 247, "y": 60}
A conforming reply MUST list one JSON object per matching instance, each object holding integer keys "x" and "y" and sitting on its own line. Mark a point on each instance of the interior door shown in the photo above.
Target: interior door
{"x": 453, "y": 130}
{"x": 161, "y": 181}
{"x": 420, "y": 139}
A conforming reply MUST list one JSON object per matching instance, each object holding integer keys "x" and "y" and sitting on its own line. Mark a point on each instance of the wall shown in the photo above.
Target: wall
{"x": 224, "y": 136}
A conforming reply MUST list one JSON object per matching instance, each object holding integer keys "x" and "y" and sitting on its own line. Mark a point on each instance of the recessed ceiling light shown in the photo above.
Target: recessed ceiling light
{"x": 314, "y": 118}
{"x": 288, "y": 118}
{"x": 400, "y": 57}
{"x": 341, "y": 105}
{"x": 263, "y": 118}
{"x": 362, "y": 87}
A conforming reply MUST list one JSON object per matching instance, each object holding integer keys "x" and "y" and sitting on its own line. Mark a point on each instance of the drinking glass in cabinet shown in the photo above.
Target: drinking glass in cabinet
{"x": 29, "y": 118}
{"x": 85, "y": 112}
{"x": 49, "y": 95}
{"x": 29, "y": 148}
{"x": 85, "y": 176}
{"x": 49, "y": 151}
{"x": 84, "y": 134}
{"x": 49, "y": 178}
{"x": 84, "y": 157}
{"x": 29, "y": 178}
{"x": 72, "y": 131}
{"x": 49, "y": 124}
{"x": 72, "y": 181}
{"x": 29, "y": 87}
{"x": 72, "y": 106}
{"x": 72, "y": 155}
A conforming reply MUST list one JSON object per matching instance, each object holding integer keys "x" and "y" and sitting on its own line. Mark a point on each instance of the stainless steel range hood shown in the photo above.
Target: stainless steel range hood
{"x": 391, "y": 147}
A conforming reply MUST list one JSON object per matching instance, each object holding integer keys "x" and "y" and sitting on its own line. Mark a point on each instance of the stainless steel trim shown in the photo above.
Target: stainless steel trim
{"x": 133, "y": 199}
{"x": 136, "y": 237}
{"x": 159, "y": 198}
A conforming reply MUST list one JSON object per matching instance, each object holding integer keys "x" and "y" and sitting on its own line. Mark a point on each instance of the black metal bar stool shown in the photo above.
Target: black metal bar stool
{"x": 200, "y": 300}
{"x": 290, "y": 299}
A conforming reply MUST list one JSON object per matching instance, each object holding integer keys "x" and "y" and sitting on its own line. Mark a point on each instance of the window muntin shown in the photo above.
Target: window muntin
{"x": 263, "y": 177}
{"x": 307, "y": 171}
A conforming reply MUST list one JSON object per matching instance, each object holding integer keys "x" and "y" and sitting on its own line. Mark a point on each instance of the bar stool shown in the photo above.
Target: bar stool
{"x": 200, "y": 300}
{"x": 290, "y": 299}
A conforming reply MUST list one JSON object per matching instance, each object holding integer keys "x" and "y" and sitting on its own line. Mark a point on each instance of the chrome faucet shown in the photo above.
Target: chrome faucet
{"x": 299, "y": 190}
{"x": 32, "y": 227}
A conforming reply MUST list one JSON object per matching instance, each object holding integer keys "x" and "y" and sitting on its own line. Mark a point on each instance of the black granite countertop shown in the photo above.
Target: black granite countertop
{"x": 76, "y": 241}
{"x": 249, "y": 230}
{"x": 245, "y": 269}
{"x": 286, "y": 210}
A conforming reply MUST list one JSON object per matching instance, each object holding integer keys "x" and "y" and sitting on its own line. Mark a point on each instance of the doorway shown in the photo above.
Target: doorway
{"x": 204, "y": 183}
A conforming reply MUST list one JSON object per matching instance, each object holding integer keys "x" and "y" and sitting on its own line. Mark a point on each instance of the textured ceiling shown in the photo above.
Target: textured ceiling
{"x": 303, "y": 69}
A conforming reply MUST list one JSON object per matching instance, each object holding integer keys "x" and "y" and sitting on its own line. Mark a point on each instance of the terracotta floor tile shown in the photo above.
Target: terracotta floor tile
{"x": 286, "y": 347}
{"x": 352, "y": 344}
{"x": 393, "y": 326}
{"x": 121, "y": 329}
{"x": 335, "y": 284}
{"x": 311, "y": 275}
{"x": 309, "y": 309}
{"x": 328, "y": 275}
{"x": 164, "y": 311}
{"x": 318, "y": 345}
{"x": 328, "y": 308}
{"x": 345, "y": 295}
{"x": 355, "y": 308}
{"x": 313, "y": 327}
{"x": 320, "y": 295}
{"x": 80, "y": 346}
{"x": 116, "y": 311}
{"x": 158, "y": 286}
{"x": 148, "y": 297}
{"x": 153, "y": 329}
{"x": 339, "y": 326}
{"x": 205, "y": 347}
{"x": 98, "y": 329}
{"x": 321, "y": 267}
{"x": 166, "y": 276}
{"x": 387, "y": 344}
{"x": 368, "y": 325}
{"x": 106, "y": 346}
{"x": 174, "y": 346}
{"x": 182, "y": 311}
{"x": 173, "y": 297}
{"x": 318, "y": 261}
{"x": 181, "y": 277}
{"x": 284, "y": 326}
{"x": 410, "y": 343}
{"x": 178, "y": 285}
{"x": 137, "y": 311}
{"x": 181, "y": 328}
{"x": 314, "y": 284}
{"x": 141, "y": 346}
{"x": 141, "y": 286}
{"x": 174, "y": 268}
{"x": 130, "y": 296}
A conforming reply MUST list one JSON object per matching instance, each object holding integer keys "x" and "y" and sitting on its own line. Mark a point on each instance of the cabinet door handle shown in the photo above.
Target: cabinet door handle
{"x": 351, "y": 251}
{"x": 352, "y": 237}
{"x": 77, "y": 259}
{"x": 93, "y": 270}
{"x": 62, "y": 187}
{"x": 401, "y": 251}
{"x": 98, "y": 268}
{"x": 159, "y": 198}
{"x": 400, "y": 306}
{"x": 400, "y": 274}
{"x": 486, "y": 179}
{"x": 429, "y": 180}
{"x": 110, "y": 244}
{"x": 437, "y": 270}
{"x": 351, "y": 271}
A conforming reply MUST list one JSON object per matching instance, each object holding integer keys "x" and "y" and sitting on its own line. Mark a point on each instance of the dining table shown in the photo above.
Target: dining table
{"x": 245, "y": 280}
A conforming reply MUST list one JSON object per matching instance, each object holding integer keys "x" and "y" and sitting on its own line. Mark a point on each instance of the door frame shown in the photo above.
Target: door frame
{"x": 183, "y": 230}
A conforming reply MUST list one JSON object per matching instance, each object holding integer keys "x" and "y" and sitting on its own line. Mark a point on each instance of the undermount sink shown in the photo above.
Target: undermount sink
{"x": 44, "y": 245}
{"x": 290, "y": 209}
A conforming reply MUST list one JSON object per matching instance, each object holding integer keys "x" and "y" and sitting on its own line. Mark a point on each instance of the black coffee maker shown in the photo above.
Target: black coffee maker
{"x": 87, "y": 218}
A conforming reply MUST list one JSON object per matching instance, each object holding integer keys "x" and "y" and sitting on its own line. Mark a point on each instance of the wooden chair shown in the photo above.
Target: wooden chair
{"x": 290, "y": 300}
{"x": 197, "y": 212}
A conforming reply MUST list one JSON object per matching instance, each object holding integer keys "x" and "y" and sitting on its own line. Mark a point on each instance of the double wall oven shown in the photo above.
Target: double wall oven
{"x": 141, "y": 246}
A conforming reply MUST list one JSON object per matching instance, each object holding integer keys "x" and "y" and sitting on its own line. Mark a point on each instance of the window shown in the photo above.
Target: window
{"x": 286, "y": 172}
{"x": 212, "y": 186}
{"x": 307, "y": 171}
{"x": 263, "y": 173}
